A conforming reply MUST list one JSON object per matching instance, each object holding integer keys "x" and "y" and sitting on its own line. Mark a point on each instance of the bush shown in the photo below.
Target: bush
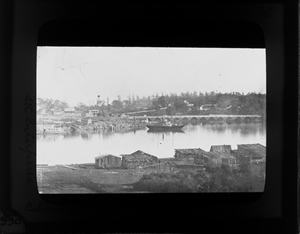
{"x": 226, "y": 169}
{"x": 221, "y": 180}
{"x": 245, "y": 168}
{"x": 165, "y": 182}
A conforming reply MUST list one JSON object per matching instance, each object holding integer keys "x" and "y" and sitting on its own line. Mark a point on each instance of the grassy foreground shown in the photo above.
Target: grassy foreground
{"x": 87, "y": 179}
{"x": 212, "y": 180}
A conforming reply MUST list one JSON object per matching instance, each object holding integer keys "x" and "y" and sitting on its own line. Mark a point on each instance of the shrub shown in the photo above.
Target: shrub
{"x": 226, "y": 169}
{"x": 221, "y": 180}
{"x": 165, "y": 182}
{"x": 245, "y": 168}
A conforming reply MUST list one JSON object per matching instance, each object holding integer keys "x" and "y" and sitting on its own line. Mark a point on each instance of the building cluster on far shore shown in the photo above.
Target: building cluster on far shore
{"x": 251, "y": 154}
{"x": 71, "y": 120}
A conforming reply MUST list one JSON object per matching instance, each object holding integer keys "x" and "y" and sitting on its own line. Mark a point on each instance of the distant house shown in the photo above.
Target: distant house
{"x": 221, "y": 148}
{"x": 88, "y": 114}
{"x": 228, "y": 107}
{"x": 94, "y": 112}
{"x": 108, "y": 161}
{"x": 207, "y": 106}
{"x": 251, "y": 153}
{"x": 86, "y": 121}
{"x": 216, "y": 159}
{"x": 189, "y": 154}
{"x": 144, "y": 119}
{"x": 70, "y": 110}
{"x": 45, "y": 125}
{"x": 138, "y": 158}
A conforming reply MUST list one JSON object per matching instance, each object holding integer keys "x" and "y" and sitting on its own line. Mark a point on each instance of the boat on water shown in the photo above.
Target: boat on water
{"x": 164, "y": 125}
{"x": 50, "y": 128}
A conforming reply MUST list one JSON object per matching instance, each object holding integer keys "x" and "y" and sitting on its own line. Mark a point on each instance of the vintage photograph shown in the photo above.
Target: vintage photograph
{"x": 150, "y": 120}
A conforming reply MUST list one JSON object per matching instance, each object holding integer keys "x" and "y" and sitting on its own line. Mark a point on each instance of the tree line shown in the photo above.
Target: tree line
{"x": 184, "y": 103}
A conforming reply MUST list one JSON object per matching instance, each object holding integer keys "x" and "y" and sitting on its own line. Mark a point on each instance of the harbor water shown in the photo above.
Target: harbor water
{"x": 83, "y": 148}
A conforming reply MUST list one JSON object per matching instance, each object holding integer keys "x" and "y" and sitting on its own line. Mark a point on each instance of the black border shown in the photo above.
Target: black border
{"x": 187, "y": 216}
{"x": 228, "y": 33}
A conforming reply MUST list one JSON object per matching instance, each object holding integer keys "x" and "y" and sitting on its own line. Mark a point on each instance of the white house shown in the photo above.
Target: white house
{"x": 94, "y": 112}
{"x": 70, "y": 110}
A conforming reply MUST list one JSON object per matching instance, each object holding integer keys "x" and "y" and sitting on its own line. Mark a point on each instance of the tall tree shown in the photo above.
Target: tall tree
{"x": 162, "y": 101}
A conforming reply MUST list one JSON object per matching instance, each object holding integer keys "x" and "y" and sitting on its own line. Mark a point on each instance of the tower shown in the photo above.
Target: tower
{"x": 98, "y": 100}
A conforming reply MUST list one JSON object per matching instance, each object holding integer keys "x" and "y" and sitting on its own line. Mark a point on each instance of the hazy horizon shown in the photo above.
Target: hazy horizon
{"x": 80, "y": 74}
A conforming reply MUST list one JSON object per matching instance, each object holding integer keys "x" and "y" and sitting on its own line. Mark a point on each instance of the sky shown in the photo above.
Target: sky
{"x": 80, "y": 74}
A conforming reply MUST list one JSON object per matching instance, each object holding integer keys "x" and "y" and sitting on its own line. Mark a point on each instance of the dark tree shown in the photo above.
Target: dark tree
{"x": 162, "y": 101}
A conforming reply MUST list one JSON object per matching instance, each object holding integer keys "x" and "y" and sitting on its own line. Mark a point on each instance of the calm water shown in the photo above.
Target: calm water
{"x": 82, "y": 148}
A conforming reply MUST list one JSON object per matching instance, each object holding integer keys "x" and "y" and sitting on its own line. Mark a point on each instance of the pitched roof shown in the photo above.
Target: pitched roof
{"x": 190, "y": 151}
{"x": 252, "y": 150}
{"x": 220, "y": 148}
{"x": 139, "y": 156}
{"x": 106, "y": 155}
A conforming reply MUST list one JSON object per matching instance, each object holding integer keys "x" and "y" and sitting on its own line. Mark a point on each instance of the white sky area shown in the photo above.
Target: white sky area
{"x": 80, "y": 74}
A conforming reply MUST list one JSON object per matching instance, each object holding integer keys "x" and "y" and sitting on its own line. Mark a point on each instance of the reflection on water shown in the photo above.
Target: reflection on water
{"x": 83, "y": 147}
{"x": 49, "y": 137}
{"x": 164, "y": 131}
{"x": 86, "y": 136}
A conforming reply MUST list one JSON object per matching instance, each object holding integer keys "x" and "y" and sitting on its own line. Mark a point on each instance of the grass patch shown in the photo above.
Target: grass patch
{"x": 213, "y": 180}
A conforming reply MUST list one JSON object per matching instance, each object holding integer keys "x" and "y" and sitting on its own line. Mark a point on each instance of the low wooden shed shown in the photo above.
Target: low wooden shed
{"x": 108, "y": 161}
{"x": 251, "y": 152}
{"x": 137, "y": 159}
{"x": 216, "y": 159}
{"x": 188, "y": 154}
{"x": 221, "y": 148}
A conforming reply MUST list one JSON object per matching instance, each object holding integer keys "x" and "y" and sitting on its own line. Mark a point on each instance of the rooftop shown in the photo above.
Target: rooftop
{"x": 139, "y": 156}
{"x": 106, "y": 155}
{"x": 220, "y": 148}
{"x": 190, "y": 151}
{"x": 252, "y": 150}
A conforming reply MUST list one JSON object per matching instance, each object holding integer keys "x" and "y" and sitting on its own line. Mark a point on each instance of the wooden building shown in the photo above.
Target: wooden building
{"x": 137, "y": 159}
{"x": 251, "y": 153}
{"x": 189, "y": 155}
{"x": 255, "y": 155}
{"x": 234, "y": 153}
{"x": 221, "y": 148}
{"x": 108, "y": 161}
{"x": 216, "y": 159}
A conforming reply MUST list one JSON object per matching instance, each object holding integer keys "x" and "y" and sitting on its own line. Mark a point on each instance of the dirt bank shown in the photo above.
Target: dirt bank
{"x": 85, "y": 179}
